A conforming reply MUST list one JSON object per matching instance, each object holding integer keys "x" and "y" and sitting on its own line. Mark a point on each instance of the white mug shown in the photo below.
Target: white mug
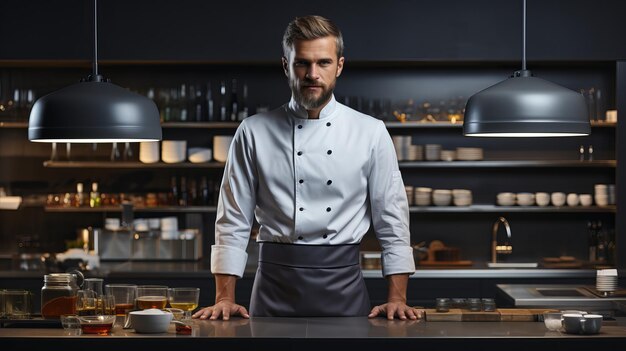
{"x": 572, "y": 199}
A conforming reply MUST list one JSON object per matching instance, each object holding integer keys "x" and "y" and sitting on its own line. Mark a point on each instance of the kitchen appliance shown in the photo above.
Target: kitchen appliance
{"x": 125, "y": 244}
{"x": 561, "y": 296}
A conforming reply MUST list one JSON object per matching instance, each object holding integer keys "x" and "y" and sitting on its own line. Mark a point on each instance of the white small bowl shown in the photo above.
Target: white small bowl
{"x": 199, "y": 154}
{"x": 150, "y": 321}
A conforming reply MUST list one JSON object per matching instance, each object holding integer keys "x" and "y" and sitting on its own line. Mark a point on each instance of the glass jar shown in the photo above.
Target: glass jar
{"x": 443, "y": 304}
{"x": 474, "y": 304}
{"x": 58, "y": 295}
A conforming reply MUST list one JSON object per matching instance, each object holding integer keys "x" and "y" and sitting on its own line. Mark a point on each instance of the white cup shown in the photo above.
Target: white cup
{"x": 542, "y": 199}
{"x": 585, "y": 199}
{"x": 149, "y": 151}
{"x": 525, "y": 199}
{"x": 558, "y": 199}
{"x": 611, "y": 116}
{"x": 505, "y": 199}
{"x": 572, "y": 199}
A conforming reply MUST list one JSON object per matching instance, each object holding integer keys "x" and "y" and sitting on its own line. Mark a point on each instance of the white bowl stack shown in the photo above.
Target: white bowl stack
{"x": 442, "y": 197}
{"x": 606, "y": 280}
{"x": 601, "y": 195}
{"x": 402, "y": 144}
{"x": 469, "y": 153}
{"x": 423, "y": 196}
{"x": 525, "y": 199}
{"x": 416, "y": 153}
{"x": 505, "y": 199}
{"x": 409, "y": 194}
{"x": 462, "y": 197}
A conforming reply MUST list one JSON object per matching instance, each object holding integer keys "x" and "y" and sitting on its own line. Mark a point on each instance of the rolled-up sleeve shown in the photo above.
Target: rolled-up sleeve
{"x": 390, "y": 208}
{"x": 235, "y": 207}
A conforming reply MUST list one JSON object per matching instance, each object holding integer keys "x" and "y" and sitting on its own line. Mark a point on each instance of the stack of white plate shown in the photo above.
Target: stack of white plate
{"x": 469, "y": 153}
{"x": 416, "y": 153}
{"x": 606, "y": 280}
{"x": 402, "y": 144}
{"x": 433, "y": 152}
{"x": 448, "y": 155}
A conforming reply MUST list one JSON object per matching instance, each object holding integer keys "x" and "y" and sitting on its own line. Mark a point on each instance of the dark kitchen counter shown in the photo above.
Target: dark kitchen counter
{"x": 201, "y": 269}
{"x": 326, "y": 333}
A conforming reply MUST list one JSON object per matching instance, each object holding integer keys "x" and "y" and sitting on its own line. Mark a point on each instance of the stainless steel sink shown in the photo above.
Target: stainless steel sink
{"x": 512, "y": 264}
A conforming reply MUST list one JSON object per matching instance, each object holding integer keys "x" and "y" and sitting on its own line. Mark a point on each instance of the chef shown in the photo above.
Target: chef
{"x": 315, "y": 174}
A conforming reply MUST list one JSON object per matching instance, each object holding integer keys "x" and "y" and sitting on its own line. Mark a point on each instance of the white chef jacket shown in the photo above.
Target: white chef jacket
{"x": 312, "y": 182}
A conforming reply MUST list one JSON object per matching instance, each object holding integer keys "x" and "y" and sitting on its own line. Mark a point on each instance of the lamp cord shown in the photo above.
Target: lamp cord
{"x": 95, "y": 38}
{"x": 524, "y": 37}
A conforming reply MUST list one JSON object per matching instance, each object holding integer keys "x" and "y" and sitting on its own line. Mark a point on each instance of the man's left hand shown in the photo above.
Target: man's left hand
{"x": 396, "y": 309}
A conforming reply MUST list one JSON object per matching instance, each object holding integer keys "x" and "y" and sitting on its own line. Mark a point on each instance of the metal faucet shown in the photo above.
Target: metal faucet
{"x": 500, "y": 249}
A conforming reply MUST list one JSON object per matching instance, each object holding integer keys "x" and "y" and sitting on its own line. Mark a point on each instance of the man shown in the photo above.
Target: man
{"x": 315, "y": 174}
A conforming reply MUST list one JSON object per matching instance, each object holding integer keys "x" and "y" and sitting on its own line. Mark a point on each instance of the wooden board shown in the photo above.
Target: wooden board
{"x": 445, "y": 263}
{"x": 500, "y": 315}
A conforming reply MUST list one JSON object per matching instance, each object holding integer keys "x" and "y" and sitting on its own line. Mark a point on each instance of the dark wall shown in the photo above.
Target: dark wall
{"x": 250, "y": 30}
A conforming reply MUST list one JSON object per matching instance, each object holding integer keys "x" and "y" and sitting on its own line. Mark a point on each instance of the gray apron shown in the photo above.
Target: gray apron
{"x": 308, "y": 281}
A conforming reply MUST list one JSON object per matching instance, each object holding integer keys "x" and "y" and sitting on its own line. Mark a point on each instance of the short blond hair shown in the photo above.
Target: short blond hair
{"x": 309, "y": 28}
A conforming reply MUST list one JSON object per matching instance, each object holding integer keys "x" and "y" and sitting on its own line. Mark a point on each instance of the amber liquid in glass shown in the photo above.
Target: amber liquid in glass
{"x": 185, "y": 306}
{"x": 145, "y": 302}
{"x": 86, "y": 311}
{"x": 122, "y": 308}
{"x": 104, "y": 328}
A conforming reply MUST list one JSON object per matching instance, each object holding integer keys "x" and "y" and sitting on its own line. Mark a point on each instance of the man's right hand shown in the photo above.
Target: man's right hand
{"x": 223, "y": 309}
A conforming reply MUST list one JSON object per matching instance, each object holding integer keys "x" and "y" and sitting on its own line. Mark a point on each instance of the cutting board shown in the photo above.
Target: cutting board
{"x": 500, "y": 315}
{"x": 464, "y": 263}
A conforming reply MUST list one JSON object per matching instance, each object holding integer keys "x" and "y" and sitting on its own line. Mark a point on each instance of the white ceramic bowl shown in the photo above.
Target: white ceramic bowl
{"x": 585, "y": 199}
{"x": 525, "y": 199}
{"x": 173, "y": 151}
{"x": 199, "y": 154}
{"x": 542, "y": 199}
{"x": 558, "y": 199}
{"x": 150, "y": 321}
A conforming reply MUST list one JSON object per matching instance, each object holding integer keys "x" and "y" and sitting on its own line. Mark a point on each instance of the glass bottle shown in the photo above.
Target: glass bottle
{"x": 243, "y": 110}
{"x": 199, "y": 104}
{"x": 204, "y": 192}
{"x": 94, "y": 197}
{"x": 184, "y": 198}
{"x": 234, "y": 102}
{"x": 79, "y": 199}
{"x": 182, "y": 103}
{"x": 173, "y": 192}
{"x": 223, "y": 101}
{"x": 209, "y": 117}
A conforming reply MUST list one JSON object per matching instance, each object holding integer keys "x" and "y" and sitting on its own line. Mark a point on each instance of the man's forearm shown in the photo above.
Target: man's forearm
{"x": 225, "y": 287}
{"x": 397, "y": 287}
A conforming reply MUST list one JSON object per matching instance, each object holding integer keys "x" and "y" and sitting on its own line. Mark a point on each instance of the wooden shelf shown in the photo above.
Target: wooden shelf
{"x": 510, "y": 164}
{"x": 522, "y": 209}
{"x": 129, "y": 165}
{"x": 417, "y": 164}
{"x": 160, "y": 209}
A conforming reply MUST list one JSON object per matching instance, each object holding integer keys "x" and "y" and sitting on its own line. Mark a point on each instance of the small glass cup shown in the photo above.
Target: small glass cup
{"x": 553, "y": 320}
{"x": 474, "y": 304}
{"x": 489, "y": 305}
{"x": 443, "y": 304}
{"x": 17, "y": 304}
{"x": 186, "y": 299}
{"x": 71, "y": 324}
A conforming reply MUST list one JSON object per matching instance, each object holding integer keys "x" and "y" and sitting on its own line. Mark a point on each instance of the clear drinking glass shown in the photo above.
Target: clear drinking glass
{"x": 151, "y": 296}
{"x": 186, "y": 299}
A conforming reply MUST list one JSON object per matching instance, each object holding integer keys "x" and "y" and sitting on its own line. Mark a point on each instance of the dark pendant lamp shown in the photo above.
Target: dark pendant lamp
{"x": 94, "y": 111}
{"x": 526, "y": 106}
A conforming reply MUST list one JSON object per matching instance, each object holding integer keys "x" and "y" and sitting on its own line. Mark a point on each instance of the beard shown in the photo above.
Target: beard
{"x": 310, "y": 100}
